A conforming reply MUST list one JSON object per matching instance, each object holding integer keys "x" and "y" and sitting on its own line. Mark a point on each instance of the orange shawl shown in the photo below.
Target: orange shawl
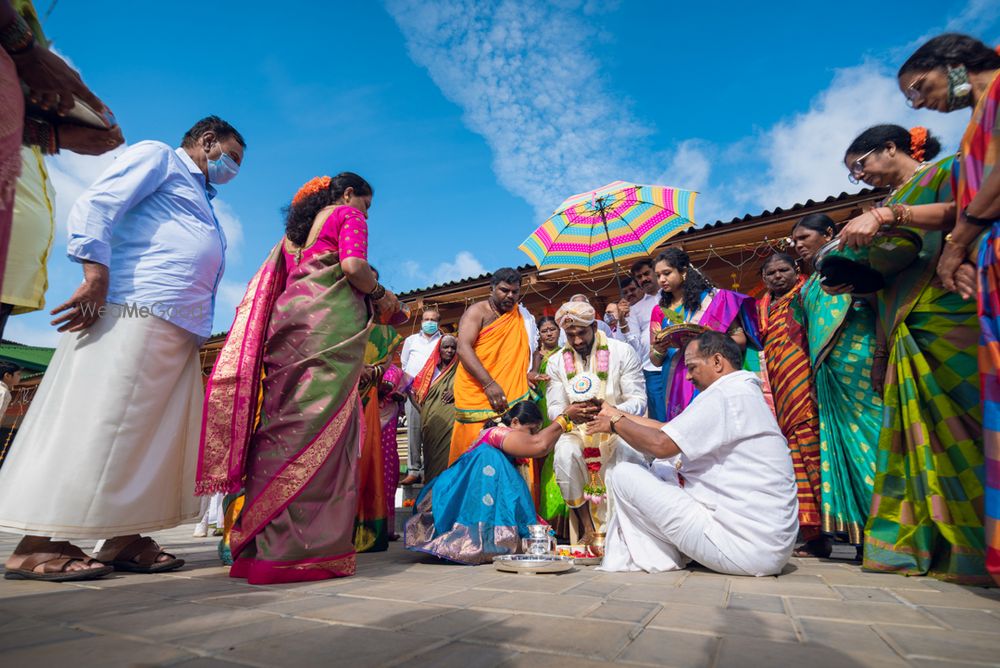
{"x": 502, "y": 347}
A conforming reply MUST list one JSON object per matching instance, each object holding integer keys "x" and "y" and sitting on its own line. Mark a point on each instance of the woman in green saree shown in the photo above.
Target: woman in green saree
{"x": 923, "y": 514}
{"x": 842, "y": 349}
{"x": 551, "y": 505}
{"x": 433, "y": 391}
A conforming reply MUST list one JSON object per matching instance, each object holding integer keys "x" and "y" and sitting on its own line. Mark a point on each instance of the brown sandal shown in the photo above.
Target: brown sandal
{"x": 140, "y": 556}
{"x": 54, "y": 562}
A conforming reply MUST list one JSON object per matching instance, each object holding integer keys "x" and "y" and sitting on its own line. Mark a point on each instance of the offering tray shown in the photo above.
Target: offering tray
{"x": 679, "y": 335}
{"x": 531, "y": 564}
{"x": 572, "y": 550}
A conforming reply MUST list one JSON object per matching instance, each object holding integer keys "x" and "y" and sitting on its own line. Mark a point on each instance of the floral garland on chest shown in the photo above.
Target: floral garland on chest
{"x": 584, "y": 388}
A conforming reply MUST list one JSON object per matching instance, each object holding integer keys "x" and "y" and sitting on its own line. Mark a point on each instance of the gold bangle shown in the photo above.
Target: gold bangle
{"x": 565, "y": 423}
{"x": 949, "y": 239}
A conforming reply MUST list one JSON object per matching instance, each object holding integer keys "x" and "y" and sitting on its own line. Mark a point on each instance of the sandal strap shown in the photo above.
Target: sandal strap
{"x": 142, "y": 551}
{"x": 56, "y": 560}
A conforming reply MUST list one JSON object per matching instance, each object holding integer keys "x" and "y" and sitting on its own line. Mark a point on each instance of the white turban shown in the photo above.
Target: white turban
{"x": 575, "y": 314}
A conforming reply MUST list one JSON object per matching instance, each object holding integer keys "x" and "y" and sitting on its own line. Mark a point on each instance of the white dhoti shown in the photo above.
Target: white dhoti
{"x": 109, "y": 446}
{"x": 657, "y": 526}
{"x": 570, "y": 469}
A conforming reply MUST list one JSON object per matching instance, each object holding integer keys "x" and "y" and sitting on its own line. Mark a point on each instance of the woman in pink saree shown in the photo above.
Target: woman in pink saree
{"x": 282, "y": 416}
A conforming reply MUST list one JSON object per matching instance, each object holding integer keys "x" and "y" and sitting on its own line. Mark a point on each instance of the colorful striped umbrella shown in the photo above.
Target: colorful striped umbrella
{"x": 616, "y": 222}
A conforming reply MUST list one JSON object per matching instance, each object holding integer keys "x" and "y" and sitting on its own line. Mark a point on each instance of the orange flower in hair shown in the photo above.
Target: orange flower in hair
{"x": 311, "y": 187}
{"x": 918, "y": 139}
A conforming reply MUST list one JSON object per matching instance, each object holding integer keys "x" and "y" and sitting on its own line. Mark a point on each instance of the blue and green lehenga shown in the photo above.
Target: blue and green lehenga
{"x": 477, "y": 509}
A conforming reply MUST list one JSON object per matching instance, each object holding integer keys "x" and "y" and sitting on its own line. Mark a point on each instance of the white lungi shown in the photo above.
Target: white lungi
{"x": 109, "y": 446}
{"x": 656, "y": 525}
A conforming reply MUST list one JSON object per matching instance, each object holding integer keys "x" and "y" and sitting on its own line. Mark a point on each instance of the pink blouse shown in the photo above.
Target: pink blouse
{"x": 345, "y": 231}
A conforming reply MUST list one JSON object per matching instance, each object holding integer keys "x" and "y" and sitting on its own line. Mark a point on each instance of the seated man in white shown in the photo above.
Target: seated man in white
{"x": 590, "y": 369}
{"x": 726, "y": 499}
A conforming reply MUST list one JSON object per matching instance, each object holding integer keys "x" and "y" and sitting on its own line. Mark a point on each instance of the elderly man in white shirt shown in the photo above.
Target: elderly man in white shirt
{"x": 417, "y": 350}
{"x": 589, "y": 370}
{"x": 720, "y": 490}
{"x": 109, "y": 446}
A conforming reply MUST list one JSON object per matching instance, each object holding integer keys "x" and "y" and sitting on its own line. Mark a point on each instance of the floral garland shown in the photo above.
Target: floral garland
{"x": 603, "y": 358}
{"x": 594, "y": 491}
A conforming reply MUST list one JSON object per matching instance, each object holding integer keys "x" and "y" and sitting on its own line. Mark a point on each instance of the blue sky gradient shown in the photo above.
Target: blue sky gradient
{"x": 473, "y": 120}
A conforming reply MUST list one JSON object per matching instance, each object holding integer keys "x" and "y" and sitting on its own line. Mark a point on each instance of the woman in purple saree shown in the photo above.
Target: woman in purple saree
{"x": 282, "y": 414}
{"x": 686, "y": 296}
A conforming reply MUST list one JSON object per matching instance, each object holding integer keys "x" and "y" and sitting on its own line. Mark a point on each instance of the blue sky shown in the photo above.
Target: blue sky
{"x": 473, "y": 120}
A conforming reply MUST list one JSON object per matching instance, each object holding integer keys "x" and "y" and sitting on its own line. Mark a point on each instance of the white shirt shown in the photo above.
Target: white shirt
{"x": 639, "y": 316}
{"x": 149, "y": 220}
{"x": 736, "y": 463}
{"x": 5, "y": 397}
{"x": 417, "y": 350}
{"x": 531, "y": 328}
{"x": 626, "y": 388}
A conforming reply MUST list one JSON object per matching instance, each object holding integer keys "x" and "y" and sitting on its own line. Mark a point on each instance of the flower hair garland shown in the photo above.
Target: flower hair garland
{"x": 311, "y": 187}
{"x": 918, "y": 139}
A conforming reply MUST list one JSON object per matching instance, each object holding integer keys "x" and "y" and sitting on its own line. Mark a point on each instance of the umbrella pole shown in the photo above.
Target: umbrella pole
{"x": 604, "y": 220}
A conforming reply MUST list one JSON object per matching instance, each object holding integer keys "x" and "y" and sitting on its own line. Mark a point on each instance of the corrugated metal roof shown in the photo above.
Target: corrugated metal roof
{"x": 33, "y": 358}
{"x": 832, "y": 199}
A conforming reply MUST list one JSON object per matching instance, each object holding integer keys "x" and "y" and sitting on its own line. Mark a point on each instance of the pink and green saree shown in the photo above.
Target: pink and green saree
{"x": 283, "y": 420}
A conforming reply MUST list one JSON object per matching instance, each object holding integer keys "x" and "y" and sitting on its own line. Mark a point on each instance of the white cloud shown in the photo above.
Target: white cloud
{"x": 411, "y": 268}
{"x": 71, "y": 174}
{"x": 30, "y": 333}
{"x": 804, "y": 153}
{"x": 465, "y": 265}
{"x": 232, "y": 227}
{"x": 523, "y": 74}
{"x": 227, "y": 298}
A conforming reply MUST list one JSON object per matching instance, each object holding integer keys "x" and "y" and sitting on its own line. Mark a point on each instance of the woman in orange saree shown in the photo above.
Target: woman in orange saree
{"x": 786, "y": 351}
{"x": 282, "y": 414}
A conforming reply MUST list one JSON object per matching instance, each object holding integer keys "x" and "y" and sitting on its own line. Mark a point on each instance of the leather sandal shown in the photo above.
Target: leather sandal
{"x": 54, "y": 562}
{"x": 140, "y": 556}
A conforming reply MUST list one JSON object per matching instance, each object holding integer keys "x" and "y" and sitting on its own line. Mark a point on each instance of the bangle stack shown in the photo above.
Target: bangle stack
{"x": 902, "y": 215}
{"x": 16, "y": 37}
{"x": 492, "y": 382}
{"x": 878, "y": 216}
{"x": 377, "y": 293}
{"x": 565, "y": 423}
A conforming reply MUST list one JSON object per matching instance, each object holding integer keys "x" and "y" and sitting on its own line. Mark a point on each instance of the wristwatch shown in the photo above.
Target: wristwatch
{"x": 614, "y": 421}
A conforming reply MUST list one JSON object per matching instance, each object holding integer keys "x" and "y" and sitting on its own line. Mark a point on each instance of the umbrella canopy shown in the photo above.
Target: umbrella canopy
{"x": 616, "y": 222}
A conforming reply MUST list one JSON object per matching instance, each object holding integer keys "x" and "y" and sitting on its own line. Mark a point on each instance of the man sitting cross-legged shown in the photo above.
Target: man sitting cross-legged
{"x": 725, "y": 499}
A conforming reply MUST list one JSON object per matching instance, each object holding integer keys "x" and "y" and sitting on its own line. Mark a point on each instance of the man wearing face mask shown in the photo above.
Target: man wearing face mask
{"x": 417, "y": 350}
{"x": 109, "y": 446}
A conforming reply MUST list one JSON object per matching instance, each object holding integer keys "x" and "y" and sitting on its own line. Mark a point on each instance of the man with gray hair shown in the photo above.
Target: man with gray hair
{"x": 590, "y": 369}
{"x": 720, "y": 488}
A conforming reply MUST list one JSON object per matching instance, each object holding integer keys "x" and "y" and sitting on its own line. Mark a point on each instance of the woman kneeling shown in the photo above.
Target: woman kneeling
{"x": 480, "y": 506}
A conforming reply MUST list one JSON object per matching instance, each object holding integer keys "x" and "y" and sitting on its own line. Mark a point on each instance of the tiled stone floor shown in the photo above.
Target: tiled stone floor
{"x": 408, "y": 610}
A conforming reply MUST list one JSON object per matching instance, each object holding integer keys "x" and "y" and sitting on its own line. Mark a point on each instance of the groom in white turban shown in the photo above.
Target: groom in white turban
{"x": 590, "y": 369}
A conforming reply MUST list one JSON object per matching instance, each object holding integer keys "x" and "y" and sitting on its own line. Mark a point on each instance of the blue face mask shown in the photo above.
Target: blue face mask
{"x": 222, "y": 170}
{"x": 430, "y": 327}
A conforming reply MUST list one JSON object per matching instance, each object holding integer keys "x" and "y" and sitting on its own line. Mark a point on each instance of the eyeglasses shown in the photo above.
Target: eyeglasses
{"x": 858, "y": 167}
{"x": 913, "y": 93}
